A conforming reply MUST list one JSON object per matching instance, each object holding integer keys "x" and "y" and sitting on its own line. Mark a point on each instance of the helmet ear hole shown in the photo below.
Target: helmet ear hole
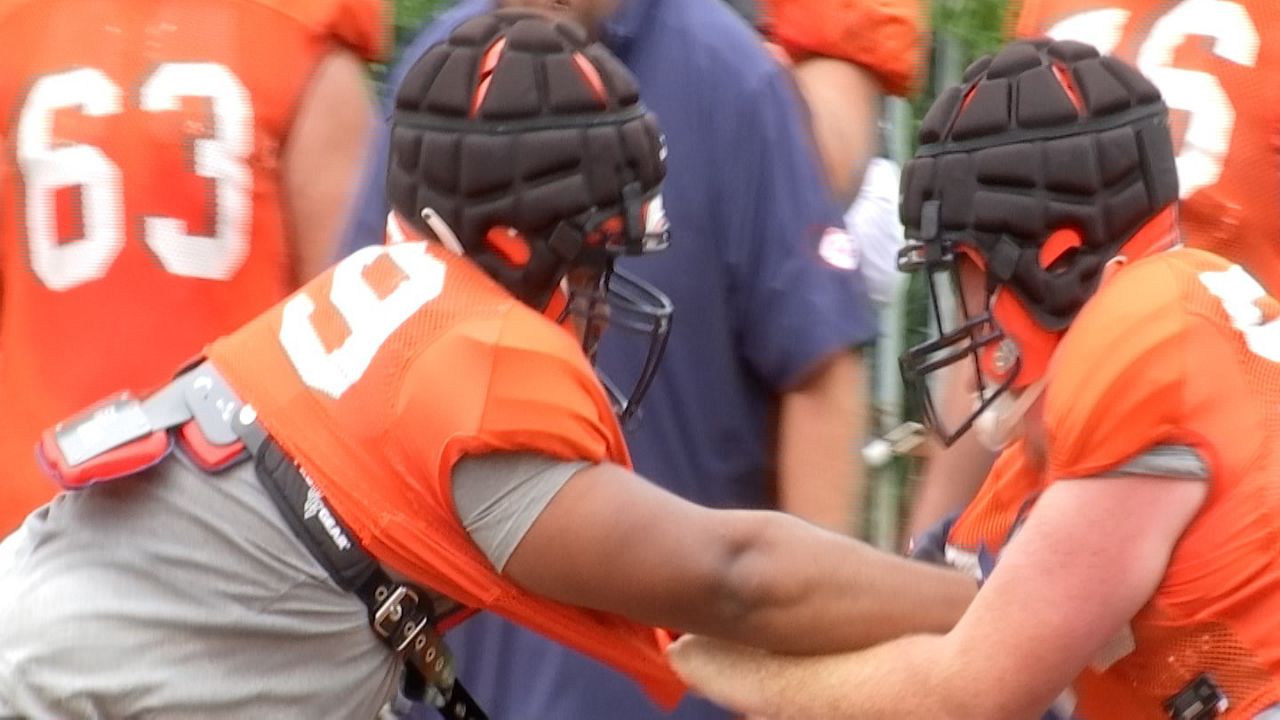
{"x": 1060, "y": 248}
{"x": 509, "y": 245}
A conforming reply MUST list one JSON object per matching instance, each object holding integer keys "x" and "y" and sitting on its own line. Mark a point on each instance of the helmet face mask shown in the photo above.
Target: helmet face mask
{"x": 626, "y": 305}
{"x": 960, "y": 308}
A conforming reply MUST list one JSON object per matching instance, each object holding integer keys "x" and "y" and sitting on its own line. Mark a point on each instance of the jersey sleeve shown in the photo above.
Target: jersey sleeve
{"x": 363, "y": 26}
{"x": 1135, "y": 375}
{"x": 499, "y": 496}
{"x": 883, "y": 36}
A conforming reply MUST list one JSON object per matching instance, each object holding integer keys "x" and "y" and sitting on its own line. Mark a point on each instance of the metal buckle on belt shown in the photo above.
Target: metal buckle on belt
{"x": 411, "y": 635}
{"x": 389, "y": 615}
{"x": 401, "y": 615}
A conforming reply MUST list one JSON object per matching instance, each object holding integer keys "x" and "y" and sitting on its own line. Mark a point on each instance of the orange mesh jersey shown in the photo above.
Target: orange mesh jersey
{"x": 1217, "y": 63}
{"x": 140, "y": 198}
{"x": 885, "y": 36}
{"x": 379, "y": 375}
{"x": 1181, "y": 349}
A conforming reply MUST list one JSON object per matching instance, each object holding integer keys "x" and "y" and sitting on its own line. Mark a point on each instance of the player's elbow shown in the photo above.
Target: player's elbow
{"x": 748, "y": 585}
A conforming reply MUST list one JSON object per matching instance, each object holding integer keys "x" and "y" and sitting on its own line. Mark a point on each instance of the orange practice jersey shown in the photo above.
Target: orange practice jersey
{"x": 378, "y": 376}
{"x": 1217, "y": 63}
{"x": 1179, "y": 349}
{"x": 140, "y": 193}
{"x": 884, "y": 36}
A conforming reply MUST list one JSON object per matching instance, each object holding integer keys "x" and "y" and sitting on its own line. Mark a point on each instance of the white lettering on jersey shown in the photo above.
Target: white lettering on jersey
{"x": 371, "y": 318}
{"x": 1240, "y": 294}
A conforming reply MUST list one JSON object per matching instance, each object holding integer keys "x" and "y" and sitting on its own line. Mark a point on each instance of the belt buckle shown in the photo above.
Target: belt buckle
{"x": 392, "y": 611}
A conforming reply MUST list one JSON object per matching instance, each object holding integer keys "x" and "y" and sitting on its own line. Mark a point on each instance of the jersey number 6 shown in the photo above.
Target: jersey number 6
{"x": 1211, "y": 116}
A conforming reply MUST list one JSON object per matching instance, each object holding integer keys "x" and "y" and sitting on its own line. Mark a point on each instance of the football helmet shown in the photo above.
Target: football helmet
{"x": 524, "y": 146}
{"x": 1046, "y": 162}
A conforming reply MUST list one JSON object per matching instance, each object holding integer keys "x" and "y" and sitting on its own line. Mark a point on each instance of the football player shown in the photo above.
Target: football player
{"x": 418, "y": 435}
{"x": 1207, "y": 58}
{"x": 1127, "y": 540}
{"x": 174, "y": 168}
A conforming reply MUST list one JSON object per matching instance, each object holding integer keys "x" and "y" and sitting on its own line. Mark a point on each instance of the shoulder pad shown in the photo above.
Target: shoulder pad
{"x": 1116, "y": 383}
{"x": 883, "y": 36}
{"x": 108, "y": 441}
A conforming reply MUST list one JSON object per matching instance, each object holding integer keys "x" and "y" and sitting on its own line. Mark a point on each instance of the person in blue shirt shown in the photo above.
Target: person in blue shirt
{"x": 757, "y": 403}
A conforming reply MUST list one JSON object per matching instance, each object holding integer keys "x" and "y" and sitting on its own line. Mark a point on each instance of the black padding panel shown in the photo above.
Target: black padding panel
{"x": 454, "y": 82}
{"x": 1071, "y": 165}
{"x": 937, "y": 121}
{"x": 1070, "y": 51}
{"x": 917, "y": 187}
{"x": 1015, "y": 59}
{"x": 536, "y": 37}
{"x": 1015, "y": 166}
{"x": 1118, "y": 151}
{"x": 513, "y": 88}
{"x": 1042, "y": 101}
{"x": 976, "y": 68}
{"x": 957, "y": 184}
{"x": 1102, "y": 92}
{"x": 987, "y": 111}
{"x": 569, "y": 97}
{"x": 476, "y": 31}
{"x": 1142, "y": 89}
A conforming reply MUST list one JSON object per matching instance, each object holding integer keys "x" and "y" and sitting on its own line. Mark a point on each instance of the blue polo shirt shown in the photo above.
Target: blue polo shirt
{"x": 757, "y": 307}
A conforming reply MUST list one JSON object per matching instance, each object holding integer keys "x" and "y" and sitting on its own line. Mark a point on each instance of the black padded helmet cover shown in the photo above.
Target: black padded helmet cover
{"x": 519, "y": 121}
{"x": 1040, "y": 137}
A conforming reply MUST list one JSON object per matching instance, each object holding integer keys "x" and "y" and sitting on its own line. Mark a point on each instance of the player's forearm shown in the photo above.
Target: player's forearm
{"x": 821, "y": 423}
{"x": 899, "y": 679}
{"x": 797, "y": 591}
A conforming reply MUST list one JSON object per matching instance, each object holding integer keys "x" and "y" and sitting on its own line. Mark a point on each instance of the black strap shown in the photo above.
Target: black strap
{"x": 401, "y": 614}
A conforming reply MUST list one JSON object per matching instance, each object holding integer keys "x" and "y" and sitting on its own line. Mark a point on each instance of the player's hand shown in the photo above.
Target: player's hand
{"x": 931, "y": 545}
{"x": 734, "y": 676}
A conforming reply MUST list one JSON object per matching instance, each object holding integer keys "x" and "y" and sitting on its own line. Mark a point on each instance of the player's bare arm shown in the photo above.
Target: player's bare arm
{"x": 611, "y": 540}
{"x": 844, "y": 101}
{"x": 1056, "y": 600}
{"x": 819, "y": 418}
{"x": 323, "y": 158}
